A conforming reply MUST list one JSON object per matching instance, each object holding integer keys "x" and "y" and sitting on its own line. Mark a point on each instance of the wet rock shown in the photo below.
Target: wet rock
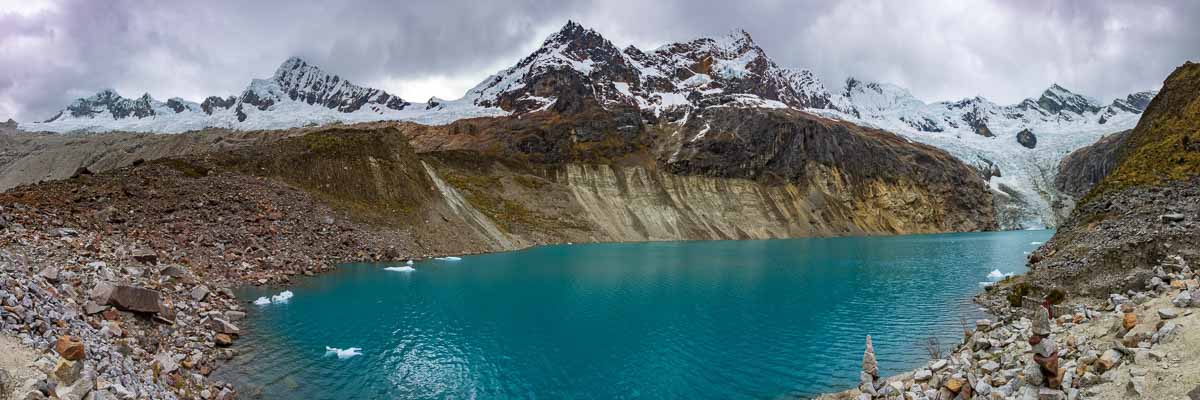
{"x": 136, "y": 299}
{"x": 222, "y": 326}
{"x": 223, "y": 340}
{"x": 69, "y": 348}
{"x": 234, "y": 315}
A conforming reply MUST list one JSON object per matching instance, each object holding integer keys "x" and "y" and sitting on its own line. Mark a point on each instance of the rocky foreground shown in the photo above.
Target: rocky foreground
{"x": 119, "y": 286}
{"x": 1140, "y": 344}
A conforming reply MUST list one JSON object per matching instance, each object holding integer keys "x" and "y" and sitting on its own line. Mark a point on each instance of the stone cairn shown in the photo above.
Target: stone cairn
{"x": 1045, "y": 352}
{"x": 870, "y": 372}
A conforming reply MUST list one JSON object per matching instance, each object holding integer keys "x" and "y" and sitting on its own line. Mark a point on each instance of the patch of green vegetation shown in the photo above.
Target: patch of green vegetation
{"x": 530, "y": 182}
{"x": 1018, "y": 293}
{"x": 184, "y": 167}
{"x": 482, "y": 191}
{"x": 1057, "y": 296}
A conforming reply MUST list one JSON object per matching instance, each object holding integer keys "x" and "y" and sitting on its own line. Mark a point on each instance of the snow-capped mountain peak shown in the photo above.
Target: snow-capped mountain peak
{"x": 1056, "y": 99}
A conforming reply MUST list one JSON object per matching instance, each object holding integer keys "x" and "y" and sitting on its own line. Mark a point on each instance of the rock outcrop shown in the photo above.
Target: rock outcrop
{"x": 1084, "y": 168}
{"x": 1143, "y": 209}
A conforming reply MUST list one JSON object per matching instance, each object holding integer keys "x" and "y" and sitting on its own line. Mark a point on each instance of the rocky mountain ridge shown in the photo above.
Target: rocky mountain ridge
{"x": 577, "y": 67}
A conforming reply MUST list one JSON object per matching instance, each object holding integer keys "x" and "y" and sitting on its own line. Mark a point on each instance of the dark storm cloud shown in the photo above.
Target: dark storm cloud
{"x": 939, "y": 49}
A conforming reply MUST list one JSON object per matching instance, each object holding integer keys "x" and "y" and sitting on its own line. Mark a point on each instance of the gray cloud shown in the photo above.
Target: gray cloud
{"x": 1003, "y": 50}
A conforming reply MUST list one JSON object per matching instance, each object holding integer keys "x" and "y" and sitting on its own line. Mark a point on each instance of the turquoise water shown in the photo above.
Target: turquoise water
{"x": 700, "y": 320}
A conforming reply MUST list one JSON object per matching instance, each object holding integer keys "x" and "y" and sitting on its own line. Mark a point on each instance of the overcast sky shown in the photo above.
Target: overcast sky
{"x": 52, "y": 51}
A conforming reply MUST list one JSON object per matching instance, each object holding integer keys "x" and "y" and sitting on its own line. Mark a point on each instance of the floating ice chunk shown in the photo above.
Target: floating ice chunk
{"x": 262, "y": 301}
{"x": 404, "y": 268}
{"x": 343, "y": 353}
{"x": 409, "y": 262}
{"x": 450, "y": 258}
{"x": 282, "y": 297}
{"x": 996, "y": 275}
{"x": 986, "y": 284}
{"x": 1035, "y": 243}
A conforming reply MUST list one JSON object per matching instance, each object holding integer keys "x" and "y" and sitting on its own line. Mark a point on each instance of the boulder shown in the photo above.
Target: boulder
{"x": 1129, "y": 321}
{"x": 1183, "y": 299}
{"x": 1172, "y": 217}
{"x": 1109, "y": 359}
{"x": 223, "y": 340}
{"x": 1026, "y": 138}
{"x": 199, "y": 293}
{"x": 954, "y": 383}
{"x": 1041, "y": 322}
{"x": 145, "y": 256}
{"x": 69, "y": 348}
{"x": 101, "y": 292}
{"x": 1167, "y": 313}
{"x": 67, "y": 371}
{"x": 50, "y": 274}
{"x": 922, "y": 375}
{"x": 1165, "y": 333}
{"x": 938, "y": 365}
{"x": 91, "y": 308}
{"x": 222, "y": 326}
{"x": 234, "y": 315}
{"x": 136, "y": 299}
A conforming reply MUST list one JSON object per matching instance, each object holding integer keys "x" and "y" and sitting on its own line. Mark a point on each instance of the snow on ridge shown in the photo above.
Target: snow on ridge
{"x": 685, "y": 75}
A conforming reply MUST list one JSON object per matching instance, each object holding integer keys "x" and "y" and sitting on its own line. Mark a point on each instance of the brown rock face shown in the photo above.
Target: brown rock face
{"x": 136, "y": 299}
{"x": 69, "y": 348}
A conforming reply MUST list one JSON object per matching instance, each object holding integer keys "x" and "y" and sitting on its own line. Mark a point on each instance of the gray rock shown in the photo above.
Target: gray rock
{"x": 1167, "y": 313}
{"x": 199, "y": 293}
{"x": 132, "y": 298}
{"x": 1136, "y": 386}
{"x": 922, "y": 375}
{"x": 234, "y": 315}
{"x": 1041, "y": 322}
{"x": 938, "y": 365}
{"x": 1183, "y": 299}
{"x": 1050, "y": 394}
{"x": 1172, "y": 217}
{"x": 1165, "y": 334}
{"x": 223, "y": 326}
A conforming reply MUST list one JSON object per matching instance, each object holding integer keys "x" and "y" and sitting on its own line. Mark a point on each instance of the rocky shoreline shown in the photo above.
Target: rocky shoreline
{"x": 122, "y": 291}
{"x": 1140, "y": 344}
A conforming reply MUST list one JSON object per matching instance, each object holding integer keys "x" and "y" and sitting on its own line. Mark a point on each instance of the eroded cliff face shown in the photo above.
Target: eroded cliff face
{"x": 593, "y": 175}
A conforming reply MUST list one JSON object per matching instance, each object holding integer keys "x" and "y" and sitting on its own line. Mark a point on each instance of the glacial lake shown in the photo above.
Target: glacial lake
{"x": 700, "y": 320}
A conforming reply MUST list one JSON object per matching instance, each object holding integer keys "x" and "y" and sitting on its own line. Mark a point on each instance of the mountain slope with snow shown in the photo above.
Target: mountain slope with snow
{"x": 577, "y": 67}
